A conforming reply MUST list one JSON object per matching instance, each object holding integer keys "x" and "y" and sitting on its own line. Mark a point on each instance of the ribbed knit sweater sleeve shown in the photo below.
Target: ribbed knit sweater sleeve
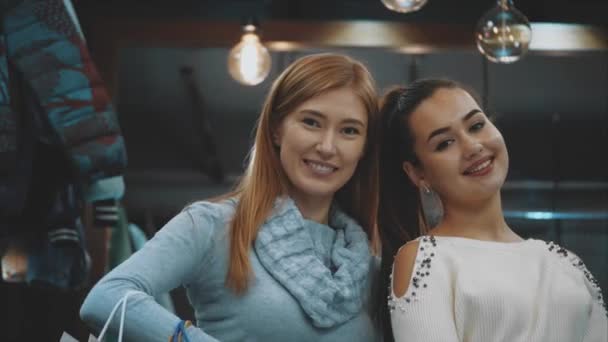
{"x": 597, "y": 325}
{"x": 170, "y": 259}
{"x": 426, "y": 311}
{"x": 597, "y": 329}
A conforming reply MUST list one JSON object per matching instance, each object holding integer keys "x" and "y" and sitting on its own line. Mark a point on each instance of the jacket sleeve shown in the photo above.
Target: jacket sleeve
{"x": 171, "y": 258}
{"x": 45, "y": 44}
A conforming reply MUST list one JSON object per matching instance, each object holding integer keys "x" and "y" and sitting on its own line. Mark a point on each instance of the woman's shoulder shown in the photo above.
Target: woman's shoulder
{"x": 561, "y": 256}
{"x": 202, "y": 220}
{"x": 403, "y": 266}
{"x": 569, "y": 262}
{"x": 219, "y": 211}
{"x": 412, "y": 266}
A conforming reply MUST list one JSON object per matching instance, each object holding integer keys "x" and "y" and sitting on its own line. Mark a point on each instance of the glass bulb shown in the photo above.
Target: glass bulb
{"x": 503, "y": 33}
{"x": 249, "y": 61}
{"x": 404, "y": 6}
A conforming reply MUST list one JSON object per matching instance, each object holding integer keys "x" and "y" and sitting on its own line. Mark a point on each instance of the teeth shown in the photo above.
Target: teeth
{"x": 481, "y": 166}
{"x": 320, "y": 168}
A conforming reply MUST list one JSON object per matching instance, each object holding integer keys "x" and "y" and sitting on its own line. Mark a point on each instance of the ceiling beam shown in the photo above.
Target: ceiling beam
{"x": 363, "y": 34}
{"x": 107, "y": 34}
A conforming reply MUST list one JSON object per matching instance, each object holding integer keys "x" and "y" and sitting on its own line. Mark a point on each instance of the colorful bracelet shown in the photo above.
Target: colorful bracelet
{"x": 179, "y": 334}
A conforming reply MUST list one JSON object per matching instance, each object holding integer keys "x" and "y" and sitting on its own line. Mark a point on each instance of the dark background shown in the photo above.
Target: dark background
{"x": 552, "y": 108}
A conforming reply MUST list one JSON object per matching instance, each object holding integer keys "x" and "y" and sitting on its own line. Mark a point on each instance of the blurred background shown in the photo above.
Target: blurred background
{"x": 187, "y": 124}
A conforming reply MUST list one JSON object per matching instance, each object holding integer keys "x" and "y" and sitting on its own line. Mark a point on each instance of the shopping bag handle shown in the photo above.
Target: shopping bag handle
{"x": 123, "y": 302}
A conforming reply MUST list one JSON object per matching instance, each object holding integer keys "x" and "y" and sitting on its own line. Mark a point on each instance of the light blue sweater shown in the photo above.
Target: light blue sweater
{"x": 192, "y": 250}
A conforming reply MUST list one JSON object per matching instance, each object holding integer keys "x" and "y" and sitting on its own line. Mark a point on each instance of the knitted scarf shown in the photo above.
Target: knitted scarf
{"x": 285, "y": 249}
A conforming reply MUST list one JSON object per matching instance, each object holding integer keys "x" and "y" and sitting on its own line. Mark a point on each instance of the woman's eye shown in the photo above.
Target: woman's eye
{"x": 351, "y": 131}
{"x": 478, "y": 126}
{"x": 311, "y": 122}
{"x": 443, "y": 145}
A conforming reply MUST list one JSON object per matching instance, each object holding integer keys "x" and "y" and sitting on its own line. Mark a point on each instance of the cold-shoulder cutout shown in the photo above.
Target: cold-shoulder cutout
{"x": 403, "y": 267}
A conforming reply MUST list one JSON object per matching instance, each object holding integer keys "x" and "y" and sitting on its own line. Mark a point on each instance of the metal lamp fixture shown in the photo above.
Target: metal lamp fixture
{"x": 404, "y": 6}
{"x": 503, "y": 33}
{"x": 249, "y": 61}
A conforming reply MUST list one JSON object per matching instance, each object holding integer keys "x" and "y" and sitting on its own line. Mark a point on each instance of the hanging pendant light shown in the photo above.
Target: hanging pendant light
{"x": 404, "y": 6}
{"x": 249, "y": 61}
{"x": 503, "y": 33}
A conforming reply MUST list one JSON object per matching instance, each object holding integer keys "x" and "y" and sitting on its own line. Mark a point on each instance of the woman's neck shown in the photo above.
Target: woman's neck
{"x": 483, "y": 221}
{"x": 314, "y": 209}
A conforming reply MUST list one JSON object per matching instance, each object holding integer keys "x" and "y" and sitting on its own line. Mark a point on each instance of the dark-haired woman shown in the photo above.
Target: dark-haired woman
{"x": 469, "y": 278}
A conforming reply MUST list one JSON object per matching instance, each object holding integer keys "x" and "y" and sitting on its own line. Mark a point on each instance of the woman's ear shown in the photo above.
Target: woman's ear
{"x": 276, "y": 136}
{"x": 413, "y": 172}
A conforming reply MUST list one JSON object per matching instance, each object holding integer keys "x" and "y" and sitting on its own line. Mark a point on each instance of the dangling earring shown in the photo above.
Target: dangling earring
{"x": 432, "y": 208}
{"x": 425, "y": 188}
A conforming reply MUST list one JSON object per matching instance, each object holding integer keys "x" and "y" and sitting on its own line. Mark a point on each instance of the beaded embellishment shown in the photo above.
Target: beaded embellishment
{"x": 580, "y": 265}
{"x": 422, "y": 270}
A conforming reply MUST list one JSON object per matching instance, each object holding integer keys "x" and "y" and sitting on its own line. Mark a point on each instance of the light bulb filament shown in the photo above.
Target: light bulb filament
{"x": 249, "y": 61}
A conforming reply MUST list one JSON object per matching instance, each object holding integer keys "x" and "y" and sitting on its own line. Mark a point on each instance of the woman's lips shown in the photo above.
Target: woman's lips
{"x": 480, "y": 168}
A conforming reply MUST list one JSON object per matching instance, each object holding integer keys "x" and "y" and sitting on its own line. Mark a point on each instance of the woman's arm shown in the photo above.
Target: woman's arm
{"x": 171, "y": 258}
{"x": 597, "y": 330}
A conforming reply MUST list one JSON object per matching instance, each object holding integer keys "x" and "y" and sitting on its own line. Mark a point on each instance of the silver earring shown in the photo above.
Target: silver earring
{"x": 426, "y": 189}
{"x": 432, "y": 208}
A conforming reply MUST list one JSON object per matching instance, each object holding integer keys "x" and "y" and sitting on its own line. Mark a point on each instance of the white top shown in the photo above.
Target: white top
{"x": 479, "y": 291}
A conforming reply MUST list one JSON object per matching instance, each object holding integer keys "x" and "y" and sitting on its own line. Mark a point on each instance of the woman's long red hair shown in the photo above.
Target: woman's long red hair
{"x": 264, "y": 180}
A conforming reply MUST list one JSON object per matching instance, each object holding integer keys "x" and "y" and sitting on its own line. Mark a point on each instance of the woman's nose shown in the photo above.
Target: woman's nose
{"x": 327, "y": 144}
{"x": 472, "y": 147}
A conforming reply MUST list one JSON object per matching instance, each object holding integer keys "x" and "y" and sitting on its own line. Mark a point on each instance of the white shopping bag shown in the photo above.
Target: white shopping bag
{"x": 65, "y": 337}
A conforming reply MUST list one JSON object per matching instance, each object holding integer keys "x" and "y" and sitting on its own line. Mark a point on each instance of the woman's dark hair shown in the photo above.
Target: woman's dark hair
{"x": 399, "y": 215}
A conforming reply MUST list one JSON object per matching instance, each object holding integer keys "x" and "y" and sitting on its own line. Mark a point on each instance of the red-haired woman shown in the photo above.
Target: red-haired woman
{"x": 286, "y": 256}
